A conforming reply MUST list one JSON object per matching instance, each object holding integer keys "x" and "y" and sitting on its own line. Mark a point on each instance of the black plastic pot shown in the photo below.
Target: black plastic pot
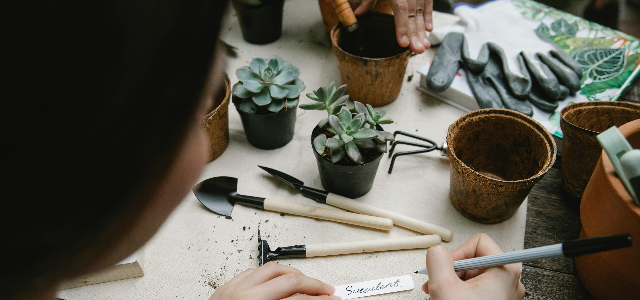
{"x": 269, "y": 131}
{"x": 260, "y": 24}
{"x": 349, "y": 181}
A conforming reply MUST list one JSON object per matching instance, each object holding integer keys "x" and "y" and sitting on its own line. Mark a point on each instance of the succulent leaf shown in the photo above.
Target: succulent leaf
{"x": 319, "y": 142}
{"x": 364, "y": 133}
{"x": 290, "y": 103}
{"x": 248, "y": 106}
{"x": 382, "y": 147}
{"x": 356, "y": 123}
{"x": 337, "y": 108}
{"x": 334, "y": 143}
{"x": 360, "y": 108}
{"x": 346, "y": 138}
{"x": 335, "y": 95}
{"x": 253, "y": 86}
{"x": 245, "y": 73}
{"x": 353, "y": 152}
{"x": 274, "y": 65}
{"x": 262, "y": 98}
{"x": 367, "y": 144}
{"x": 276, "y": 105}
{"x": 335, "y": 124}
{"x": 284, "y": 78}
{"x": 337, "y": 155}
{"x": 312, "y": 96}
{"x": 277, "y": 92}
{"x": 255, "y": 65}
{"x": 241, "y": 92}
{"x": 345, "y": 116}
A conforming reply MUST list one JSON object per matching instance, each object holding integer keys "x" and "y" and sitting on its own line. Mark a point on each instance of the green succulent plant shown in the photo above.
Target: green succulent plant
{"x": 267, "y": 85}
{"x": 350, "y": 136}
{"x": 329, "y": 98}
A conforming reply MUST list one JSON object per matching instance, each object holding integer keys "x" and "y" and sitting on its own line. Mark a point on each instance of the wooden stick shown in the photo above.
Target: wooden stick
{"x": 345, "y": 13}
{"x": 416, "y": 242}
{"x": 398, "y": 219}
{"x": 328, "y": 214}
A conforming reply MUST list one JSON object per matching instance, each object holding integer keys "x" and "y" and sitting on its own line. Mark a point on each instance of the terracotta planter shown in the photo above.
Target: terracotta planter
{"x": 330, "y": 19}
{"x": 349, "y": 181}
{"x": 260, "y": 24}
{"x": 608, "y": 209}
{"x": 217, "y": 122}
{"x": 268, "y": 131}
{"x": 375, "y": 81}
{"x": 581, "y": 123}
{"x": 497, "y": 155}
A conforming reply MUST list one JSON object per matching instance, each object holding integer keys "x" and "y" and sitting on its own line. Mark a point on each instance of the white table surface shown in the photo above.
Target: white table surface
{"x": 196, "y": 250}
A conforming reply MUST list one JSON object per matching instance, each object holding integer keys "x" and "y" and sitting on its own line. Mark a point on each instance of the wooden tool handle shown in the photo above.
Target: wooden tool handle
{"x": 344, "y": 12}
{"x": 415, "y": 242}
{"x": 398, "y": 219}
{"x": 327, "y": 214}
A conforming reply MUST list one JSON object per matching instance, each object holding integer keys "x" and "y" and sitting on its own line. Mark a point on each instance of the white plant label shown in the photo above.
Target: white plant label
{"x": 375, "y": 287}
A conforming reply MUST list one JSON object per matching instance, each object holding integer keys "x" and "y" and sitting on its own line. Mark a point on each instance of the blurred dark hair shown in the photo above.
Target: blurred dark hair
{"x": 105, "y": 91}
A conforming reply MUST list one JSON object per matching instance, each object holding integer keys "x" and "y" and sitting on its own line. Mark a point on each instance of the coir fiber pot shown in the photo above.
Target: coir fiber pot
{"x": 268, "y": 131}
{"x": 260, "y": 24}
{"x": 497, "y": 155}
{"x": 217, "y": 122}
{"x": 351, "y": 181}
{"x": 607, "y": 209}
{"x": 374, "y": 77}
{"x": 581, "y": 123}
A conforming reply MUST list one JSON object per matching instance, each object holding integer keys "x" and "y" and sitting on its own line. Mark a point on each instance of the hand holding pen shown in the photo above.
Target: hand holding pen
{"x": 494, "y": 283}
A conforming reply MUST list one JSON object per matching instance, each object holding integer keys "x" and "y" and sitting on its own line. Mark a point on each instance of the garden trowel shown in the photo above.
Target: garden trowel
{"x": 219, "y": 194}
{"x": 321, "y": 196}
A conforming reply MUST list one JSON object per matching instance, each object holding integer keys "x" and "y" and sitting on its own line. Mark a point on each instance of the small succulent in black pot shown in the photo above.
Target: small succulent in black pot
{"x": 348, "y": 143}
{"x": 266, "y": 98}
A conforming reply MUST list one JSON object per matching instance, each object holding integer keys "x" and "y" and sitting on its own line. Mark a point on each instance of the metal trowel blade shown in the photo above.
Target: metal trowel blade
{"x": 213, "y": 194}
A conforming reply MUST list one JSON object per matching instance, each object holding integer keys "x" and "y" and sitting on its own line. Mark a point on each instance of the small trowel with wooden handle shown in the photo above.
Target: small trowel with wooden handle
{"x": 352, "y": 247}
{"x": 353, "y": 31}
{"x": 219, "y": 194}
{"x": 321, "y": 196}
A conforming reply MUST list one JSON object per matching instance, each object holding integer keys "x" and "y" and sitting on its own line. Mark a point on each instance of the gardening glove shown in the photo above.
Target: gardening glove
{"x": 526, "y": 60}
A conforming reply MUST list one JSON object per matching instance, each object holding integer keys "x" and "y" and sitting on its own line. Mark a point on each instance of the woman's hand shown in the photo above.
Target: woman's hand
{"x": 413, "y": 19}
{"x": 492, "y": 283}
{"x": 274, "y": 281}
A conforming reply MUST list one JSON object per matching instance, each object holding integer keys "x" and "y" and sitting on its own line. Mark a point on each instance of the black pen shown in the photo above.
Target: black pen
{"x": 568, "y": 249}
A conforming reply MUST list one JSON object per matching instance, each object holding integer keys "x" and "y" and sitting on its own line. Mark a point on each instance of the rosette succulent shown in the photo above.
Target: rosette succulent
{"x": 351, "y": 132}
{"x": 267, "y": 86}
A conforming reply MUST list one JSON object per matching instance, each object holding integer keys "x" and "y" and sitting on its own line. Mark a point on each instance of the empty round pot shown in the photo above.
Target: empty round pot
{"x": 268, "y": 131}
{"x": 497, "y": 155}
{"x": 374, "y": 76}
{"x": 217, "y": 122}
{"x": 351, "y": 181}
{"x": 581, "y": 123}
{"x": 260, "y": 24}
{"x": 608, "y": 209}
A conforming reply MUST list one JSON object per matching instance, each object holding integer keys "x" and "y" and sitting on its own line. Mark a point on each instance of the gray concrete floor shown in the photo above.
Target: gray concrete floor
{"x": 629, "y": 18}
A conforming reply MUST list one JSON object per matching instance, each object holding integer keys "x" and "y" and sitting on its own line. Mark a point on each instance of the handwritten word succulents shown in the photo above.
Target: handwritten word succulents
{"x": 349, "y": 143}
{"x": 266, "y": 99}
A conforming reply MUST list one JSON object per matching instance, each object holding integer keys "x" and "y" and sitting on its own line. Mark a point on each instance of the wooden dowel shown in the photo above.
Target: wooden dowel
{"x": 351, "y": 247}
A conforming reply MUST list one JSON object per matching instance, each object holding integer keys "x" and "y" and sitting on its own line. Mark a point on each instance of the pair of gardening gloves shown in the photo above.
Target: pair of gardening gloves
{"x": 508, "y": 64}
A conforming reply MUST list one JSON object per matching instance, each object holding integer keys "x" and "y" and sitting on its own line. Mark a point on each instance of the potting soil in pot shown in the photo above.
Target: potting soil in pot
{"x": 374, "y": 38}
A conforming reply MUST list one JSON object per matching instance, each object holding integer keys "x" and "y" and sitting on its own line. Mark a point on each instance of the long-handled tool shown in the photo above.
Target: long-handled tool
{"x": 321, "y": 196}
{"x": 219, "y": 194}
{"x": 351, "y": 247}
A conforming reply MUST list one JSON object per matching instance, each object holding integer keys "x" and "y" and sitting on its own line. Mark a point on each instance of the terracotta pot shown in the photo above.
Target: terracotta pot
{"x": 330, "y": 19}
{"x": 348, "y": 181}
{"x": 497, "y": 155}
{"x": 268, "y": 131}
{"x": 260, "y": 24}
{"x": 375, "y": 81}
{"x": 217, "y": 122}
{"x": 581, "y": 123}
{"x": 608, "y": 209}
